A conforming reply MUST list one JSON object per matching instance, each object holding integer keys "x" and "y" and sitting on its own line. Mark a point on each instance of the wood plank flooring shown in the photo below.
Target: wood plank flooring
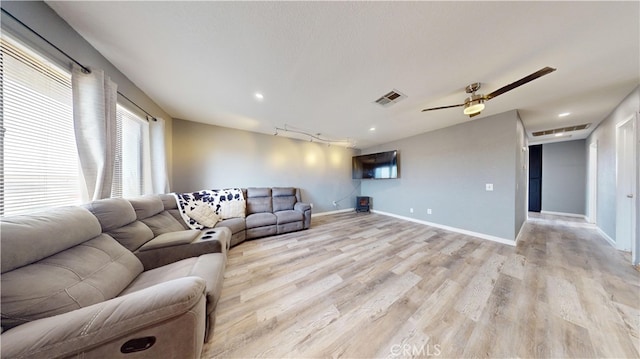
{"x": 372, "y": 286}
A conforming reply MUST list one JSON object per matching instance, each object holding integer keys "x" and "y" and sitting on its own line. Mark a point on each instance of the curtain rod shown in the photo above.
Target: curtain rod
{"x": 84, "y": 68}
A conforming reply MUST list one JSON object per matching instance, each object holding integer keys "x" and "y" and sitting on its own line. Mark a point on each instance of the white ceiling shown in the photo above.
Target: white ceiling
{"x": 321, "y": 65}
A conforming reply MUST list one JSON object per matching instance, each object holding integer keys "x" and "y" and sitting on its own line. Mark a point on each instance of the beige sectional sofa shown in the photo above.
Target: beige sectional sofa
{"x": 124, "y": 278}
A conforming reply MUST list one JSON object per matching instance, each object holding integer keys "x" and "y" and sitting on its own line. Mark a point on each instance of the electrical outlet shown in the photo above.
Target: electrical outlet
{"x": 489, "y": 187}
{"x": 410, "y": 210}
{"x": 428, "y": 210}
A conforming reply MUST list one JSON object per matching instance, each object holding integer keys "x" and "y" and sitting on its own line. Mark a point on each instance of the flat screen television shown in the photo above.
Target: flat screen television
{"x": 383, "y": 165}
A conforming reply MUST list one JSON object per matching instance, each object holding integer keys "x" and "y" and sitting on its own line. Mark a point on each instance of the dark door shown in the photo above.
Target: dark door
{"x": 535, "y": 178}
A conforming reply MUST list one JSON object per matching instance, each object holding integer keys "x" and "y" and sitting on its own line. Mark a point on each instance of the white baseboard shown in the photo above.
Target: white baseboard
{"x": 606, "y": 236}
{"x": 452, "y": 229}
{"x": 520, "y": 231}
{"x": 332, "y": 212}
{"x": 565, "y": 214}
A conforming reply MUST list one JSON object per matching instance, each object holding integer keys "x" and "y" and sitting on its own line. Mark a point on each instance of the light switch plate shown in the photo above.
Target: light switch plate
{"x": 489, "y": 186}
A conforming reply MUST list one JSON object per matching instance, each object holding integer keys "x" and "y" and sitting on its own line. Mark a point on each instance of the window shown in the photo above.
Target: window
{"x": 131, "y": 153}
{"x": 39, "y": 163}
{"x": 38, "y": 156}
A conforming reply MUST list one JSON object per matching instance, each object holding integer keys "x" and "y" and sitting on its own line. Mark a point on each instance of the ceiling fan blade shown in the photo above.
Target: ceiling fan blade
{"x": 544, "y": 71}
{"x": 441, "y": 107}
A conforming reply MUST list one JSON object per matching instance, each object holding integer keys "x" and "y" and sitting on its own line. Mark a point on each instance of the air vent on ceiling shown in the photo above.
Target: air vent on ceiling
{"x": 561, "y": 130}
{"x": 390, "y": 98}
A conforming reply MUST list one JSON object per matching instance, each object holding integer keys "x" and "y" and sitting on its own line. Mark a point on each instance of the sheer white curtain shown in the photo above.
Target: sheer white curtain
{"x": 158, "y": 160}
{"x": 94, "y": 117}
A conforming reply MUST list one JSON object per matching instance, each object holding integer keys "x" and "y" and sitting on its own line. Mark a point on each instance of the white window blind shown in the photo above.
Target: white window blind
{"x": 38, "y": 156}
{"x": 129, "y": 173}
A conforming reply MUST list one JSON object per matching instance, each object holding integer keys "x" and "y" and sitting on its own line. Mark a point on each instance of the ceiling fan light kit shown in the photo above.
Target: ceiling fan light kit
{"x": 474, "y": 104}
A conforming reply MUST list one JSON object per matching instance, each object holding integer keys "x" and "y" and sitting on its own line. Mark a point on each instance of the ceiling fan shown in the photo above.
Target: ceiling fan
{"x": 474, "y": 104}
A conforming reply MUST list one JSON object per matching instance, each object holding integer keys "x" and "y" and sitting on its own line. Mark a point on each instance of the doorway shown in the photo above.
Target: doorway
{"x": 626, "y": 186}
{"x": 535, "y": 178}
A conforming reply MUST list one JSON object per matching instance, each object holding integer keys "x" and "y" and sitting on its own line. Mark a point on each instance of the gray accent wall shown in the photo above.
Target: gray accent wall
{"x": 41, "y": 18}
{"x": 605, "y": 137}
{"x": 209, "y": 157}
{"x": 564, "y": 174}
{"x": 447, "y": 170}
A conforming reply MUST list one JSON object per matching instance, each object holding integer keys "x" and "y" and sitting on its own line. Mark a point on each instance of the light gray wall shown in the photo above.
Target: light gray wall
{"x": 564, "y": 177}
{"x": 41, "y": 18}
{"x": 446, "y": 170}
{"x": 605, "y": 137}
{"x": 208, "y": 157}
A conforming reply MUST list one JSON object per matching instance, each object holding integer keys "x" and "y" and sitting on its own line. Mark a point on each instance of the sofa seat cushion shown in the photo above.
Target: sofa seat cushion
{"x": 171, "y": 239}
{"x": 260, "y": 220}
{"x": 234, "y": 224}
{"x": 209, "y": 267}
{"x": 86, "y": 274}
{"x": 289, "y": 216}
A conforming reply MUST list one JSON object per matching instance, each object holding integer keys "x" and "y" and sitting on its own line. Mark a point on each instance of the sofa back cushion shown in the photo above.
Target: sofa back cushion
{"x": 259, "y": 200}
{"x": 118, "y": 219}
{"x": 150, "y": 211}
{"x": 133, "y": 235}
{"x": 88, "y": 273}
{"x": 168, "y": 201}
{"x": 171, "y": 206}
{"x": 29, "y": 238}
{"x": 112, "y": 212}
{"x": 147, "y": 206}
{"x": 162, "y": 223}
{"x": 284, "y": 198}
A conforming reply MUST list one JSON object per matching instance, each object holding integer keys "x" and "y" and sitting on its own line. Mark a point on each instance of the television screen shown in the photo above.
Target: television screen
{"x": 376, "y": 165}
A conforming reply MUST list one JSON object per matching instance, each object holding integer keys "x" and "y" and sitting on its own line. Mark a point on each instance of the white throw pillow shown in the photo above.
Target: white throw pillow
{"x": 232, "y": 209}
{"x": 205, "y": 215}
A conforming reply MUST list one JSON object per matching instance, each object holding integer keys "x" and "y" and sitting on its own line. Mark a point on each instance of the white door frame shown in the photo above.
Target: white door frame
{"x": 592, "y": 197}
{"x": 623, "y": 193}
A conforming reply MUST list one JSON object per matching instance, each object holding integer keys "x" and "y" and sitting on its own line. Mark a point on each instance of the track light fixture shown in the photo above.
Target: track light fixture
{"x": 317, "y": 137}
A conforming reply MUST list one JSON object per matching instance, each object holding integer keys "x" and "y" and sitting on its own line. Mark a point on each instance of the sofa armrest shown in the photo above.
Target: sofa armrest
{"x": 305, "y": 208}
{"x": 87, "y": 329}
{"x": 301, "y": 206}
{"x": 211, "y": 240}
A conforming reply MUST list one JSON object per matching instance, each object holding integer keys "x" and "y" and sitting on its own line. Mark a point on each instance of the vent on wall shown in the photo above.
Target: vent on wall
{"x": 389, "y": 99}
{"x": 561, "y": 130}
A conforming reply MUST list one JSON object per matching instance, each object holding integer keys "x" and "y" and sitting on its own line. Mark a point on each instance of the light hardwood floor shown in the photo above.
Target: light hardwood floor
{"x": 372, "y": 286}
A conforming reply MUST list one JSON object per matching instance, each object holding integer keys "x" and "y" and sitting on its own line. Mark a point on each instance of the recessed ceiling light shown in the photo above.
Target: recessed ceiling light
{"x": 559, "y": 134}
{"x": 259, "y": 96}
{"x": 372, "y": 129}
{"x": 564, "y": 114}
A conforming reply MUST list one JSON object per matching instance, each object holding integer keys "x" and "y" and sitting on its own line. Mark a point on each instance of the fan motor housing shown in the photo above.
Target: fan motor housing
{"x": 473, "y": 87}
